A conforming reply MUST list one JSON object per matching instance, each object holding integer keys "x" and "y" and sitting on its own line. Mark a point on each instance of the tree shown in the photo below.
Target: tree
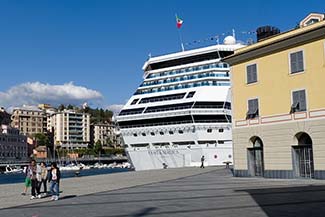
{"x": 61, "y": 107}
{"x": 98, "y": 147}
{"x": 70, "y": 107}
{"x": 42, "y": 139}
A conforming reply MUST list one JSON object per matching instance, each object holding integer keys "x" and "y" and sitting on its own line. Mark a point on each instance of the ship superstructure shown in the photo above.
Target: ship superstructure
{"x": 181, "y": 111}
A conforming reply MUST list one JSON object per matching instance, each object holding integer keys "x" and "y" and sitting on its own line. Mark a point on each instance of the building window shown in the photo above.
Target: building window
{"x": 298, "y": 101}
{"x": 251, "y": 71}
{"x": 296, "y": 62}
{"x": 252, "y": 109}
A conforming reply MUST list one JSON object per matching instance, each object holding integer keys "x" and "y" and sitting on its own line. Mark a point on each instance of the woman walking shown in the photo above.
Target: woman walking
{"x": 54, "y": 180}
{"x": 43, "y": 181}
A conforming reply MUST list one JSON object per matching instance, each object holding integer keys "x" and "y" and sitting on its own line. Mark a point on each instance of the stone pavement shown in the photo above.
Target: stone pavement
{"x": 177, "y": 192}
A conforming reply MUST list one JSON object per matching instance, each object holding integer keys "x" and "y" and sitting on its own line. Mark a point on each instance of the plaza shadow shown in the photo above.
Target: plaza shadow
{"x": 304, "y": 201}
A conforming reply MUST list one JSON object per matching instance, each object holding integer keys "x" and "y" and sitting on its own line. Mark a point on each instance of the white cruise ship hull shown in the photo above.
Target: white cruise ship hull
{"x": 156, "y": 158}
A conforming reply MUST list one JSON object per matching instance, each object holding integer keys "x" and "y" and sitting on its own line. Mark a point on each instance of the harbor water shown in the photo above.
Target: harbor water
{"x": 20, "y": 177}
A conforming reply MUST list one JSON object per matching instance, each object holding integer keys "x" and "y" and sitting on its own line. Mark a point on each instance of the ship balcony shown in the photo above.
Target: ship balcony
{"x": 190, "y": 77}
{"x": 202, "y": 82}
{"x": 189, "y": 69}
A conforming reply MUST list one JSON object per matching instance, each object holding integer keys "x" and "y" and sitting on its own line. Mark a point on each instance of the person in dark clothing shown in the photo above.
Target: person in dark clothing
{"x": 35, "y": 185}
{"x": 54, "y": 179}
{"x": 202, "y": 161}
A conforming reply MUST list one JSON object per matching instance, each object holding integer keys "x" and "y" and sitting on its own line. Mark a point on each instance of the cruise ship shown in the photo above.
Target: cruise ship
{"x": 181, "y": 111}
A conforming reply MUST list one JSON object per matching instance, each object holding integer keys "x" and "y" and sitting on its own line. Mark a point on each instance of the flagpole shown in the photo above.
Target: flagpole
{"x": 180, "y": 36}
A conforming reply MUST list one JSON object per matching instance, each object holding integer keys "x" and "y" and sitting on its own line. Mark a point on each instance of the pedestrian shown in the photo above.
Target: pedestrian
{"x": 28, "y": 176}
{"x": 43, "y": 180}
{"x": 54, "y": 180}
{"x": 202, "y": 161}
{"x": 34, "y": 180}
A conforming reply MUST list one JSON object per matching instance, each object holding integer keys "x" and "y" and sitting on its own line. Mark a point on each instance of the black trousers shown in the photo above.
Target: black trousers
{"x": 44, "y": 182}
{"x": 35, "y": 187}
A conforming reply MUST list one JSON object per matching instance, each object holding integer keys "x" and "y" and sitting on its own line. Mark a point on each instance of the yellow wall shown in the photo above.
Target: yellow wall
{"x": 275, "y": 82}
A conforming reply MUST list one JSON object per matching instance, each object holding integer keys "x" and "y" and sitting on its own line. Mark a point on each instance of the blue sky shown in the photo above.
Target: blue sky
{"x": 101, "y": 45}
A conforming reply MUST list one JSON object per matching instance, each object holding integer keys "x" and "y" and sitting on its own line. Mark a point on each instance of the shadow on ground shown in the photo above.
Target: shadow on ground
{"x": 305, "y": 201}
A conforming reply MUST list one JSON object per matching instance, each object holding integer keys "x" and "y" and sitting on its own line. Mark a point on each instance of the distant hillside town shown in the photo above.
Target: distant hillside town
{"x": 45, "y": 132}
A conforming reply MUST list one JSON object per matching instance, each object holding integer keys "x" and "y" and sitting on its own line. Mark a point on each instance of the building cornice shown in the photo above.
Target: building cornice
{"x": 278, "y": 43}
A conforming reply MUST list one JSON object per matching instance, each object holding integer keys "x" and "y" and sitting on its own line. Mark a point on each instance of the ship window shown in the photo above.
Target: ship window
{"x": 161, "y": 133}
{"x": 135, "y": 135}
{"x": 143, "y": 134}
{"x": 221, "y": 130}
{"x": 184, "y": 143}
{"x": 201, "y": 142}
{"x": 209, "y": 130}
{"x": 180, "y": 131}
{"x": 221, "y": 142}
{"x": 171, "y": 132}
{"x": 140, "y": 145}
{"x": 134, "y": 101}
{"x": 190, "y": 94}
{"x": 162, "y": 98}
{"x": 160, "y": 144}
{"x": 169, "y": 107}
{"x": 152, "y": 133}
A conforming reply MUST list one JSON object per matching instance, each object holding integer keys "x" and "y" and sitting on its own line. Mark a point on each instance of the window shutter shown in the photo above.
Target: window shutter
{"x": 293, "y": 62}
{"x": 249, "y": 74}
{"x": 295, "y": 97}
{"x": 302, "y": 100}
{"x": 254, "y": 73}
{"x": 250, "y": 106}
{"x": 256, "y": 106}
{"x": 300, "y": 61}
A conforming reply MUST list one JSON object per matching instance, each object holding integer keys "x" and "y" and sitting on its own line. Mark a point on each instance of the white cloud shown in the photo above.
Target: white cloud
{"x": 33, "y": 93}
{"x": 116, "y": 108}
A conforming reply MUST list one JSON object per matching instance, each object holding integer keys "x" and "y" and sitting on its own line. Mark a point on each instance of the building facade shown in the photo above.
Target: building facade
{"x": 29, "y": 120}
{"x": 71, "y": 129}
{"x": 278, "y": 106}
{"x": 106, "y": 133}
{"x": 13, "y": 146}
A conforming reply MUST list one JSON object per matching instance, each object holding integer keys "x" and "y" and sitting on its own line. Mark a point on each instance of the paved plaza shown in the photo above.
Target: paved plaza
{"x": 173, "y": 192}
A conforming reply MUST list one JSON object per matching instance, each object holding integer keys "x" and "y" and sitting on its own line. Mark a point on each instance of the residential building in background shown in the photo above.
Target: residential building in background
{"x": 13, "y": 146}
{"x": 279, "y": 105}
{"x": 71, "y": 129}
{"x": 106, "y": 133}
{"x": 29, "y": 120}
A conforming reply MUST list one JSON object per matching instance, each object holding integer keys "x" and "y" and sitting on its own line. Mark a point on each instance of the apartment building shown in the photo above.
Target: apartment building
{"x": 71, "y": 129}
{"x": 29, "y": 120}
